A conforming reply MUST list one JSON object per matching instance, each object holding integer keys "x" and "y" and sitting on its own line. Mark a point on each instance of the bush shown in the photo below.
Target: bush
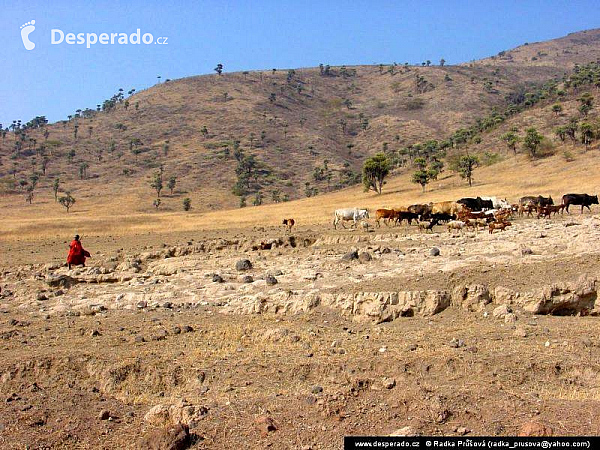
{"x": 187, "y": 204}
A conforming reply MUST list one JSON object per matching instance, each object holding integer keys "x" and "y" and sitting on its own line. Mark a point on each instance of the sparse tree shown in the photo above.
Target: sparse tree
{"x": 67, "y": 200}
{"x": 219, "y": 69}
{"x": 442, "y": 62}
{"x": 421, "y": 177}
{"x": 187, "y": 204}
{"x": 375, "y": 169}
{"x": 157, "y": 182}
{"x": 171, "y": 183}
{"x": 587, "y": 134}
{"x": 156, "y": 203}
{"x": 55, "y": 188}
{"x": 586, "y": 101}
{"x": 511, "y": 140}
{"x": 532, "y": 141}
{"x": 557, "y": 109}
{"x": 466, "y": 166}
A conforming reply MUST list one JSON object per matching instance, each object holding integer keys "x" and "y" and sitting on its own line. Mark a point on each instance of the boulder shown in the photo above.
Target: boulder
{"x": 172, "y": 437}
{"x": 364, "y": 257}
{"x": 471, "y": 297}
{"x": 563, "y": 298}
{"x": 350, "y": 256}
{"x": 500, "y": 311}
{"x": 243, "y": 264}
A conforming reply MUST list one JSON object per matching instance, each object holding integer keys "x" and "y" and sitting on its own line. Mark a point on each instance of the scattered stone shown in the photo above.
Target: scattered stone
{"x": 141, "y": 304}
{"x": 265, "y": 425}
{"x": 243, "y": 264}
{"x": 412, "y": 347}
{"x": 173, "y": 437}
{"x": 364, "y": 257}
{"x": 461, "y": 430}
{"x": 217, "y": 278}
{"x": 248, "y": 279}
{"x": 176, "y": 330}
{"x": 350, "y": 256}
{"x": 316, "y": 389}
{"x": 94, "y": 333}
{"x": 434, "y": 251}
{"x": 510, "y": 318}
{"x": 456, "y": 343}
{"x": 534, "y": 428}
{"x": 389, "y": 383}
{"x": 405, "y": 431}
{"x": 42, "y": 296}
{"x": 104, "y": 415}
{"x": 271, "y": 280}
{"x": 520, "y": 332}
{"x": 139, "y": 339}
{"x": 187, "y": 329}
{"x": 167, "y": 305}
{"x": 501, "y": 311}
{"x": 526, "y": 251}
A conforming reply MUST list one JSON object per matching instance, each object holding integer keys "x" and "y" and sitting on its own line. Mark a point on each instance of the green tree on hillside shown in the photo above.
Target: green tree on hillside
{"x": 421, "y": 177}
{"x": 511, "y": 140}
{"x": 375, "y": 170}
{"x": 157, "y": 182}
{"x": 55, "y": 187}
{"x": 219, "y": 69}
{"x": 557, "y": 109}
{"x": 587, "y": 134}
{"x": 67, "y": 201}
{"x": 587, "y": 102}
{"x": 187, "y": 204}
{"x": 532, "y": 141}
{"x": 466, "y": 166}
{"x": 171, "y": 183}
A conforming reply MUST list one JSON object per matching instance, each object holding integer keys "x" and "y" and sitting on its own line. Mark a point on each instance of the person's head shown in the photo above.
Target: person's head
{"x": 76, "y": 237}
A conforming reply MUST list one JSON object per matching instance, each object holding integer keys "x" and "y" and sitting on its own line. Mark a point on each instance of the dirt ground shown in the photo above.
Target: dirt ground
{"x": 112, "y": 359}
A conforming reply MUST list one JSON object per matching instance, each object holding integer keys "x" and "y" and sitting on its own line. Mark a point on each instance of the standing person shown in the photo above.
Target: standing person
{"x": 77, "y": 254}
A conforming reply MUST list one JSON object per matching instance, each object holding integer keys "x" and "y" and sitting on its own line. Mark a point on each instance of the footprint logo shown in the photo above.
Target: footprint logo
{"x": 26, "y": 30}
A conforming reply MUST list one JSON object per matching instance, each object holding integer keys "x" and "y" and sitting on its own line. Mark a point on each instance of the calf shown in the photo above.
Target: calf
{"x": 405, "y": 215}
{"x": 385, "y": 214}
{"x": 289, "y": 224}
{"x": 584, "y": 200}
{"x": 498, "y": 226}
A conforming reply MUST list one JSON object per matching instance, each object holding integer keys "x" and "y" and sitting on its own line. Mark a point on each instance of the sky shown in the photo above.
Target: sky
{"x": 56, "y": 79}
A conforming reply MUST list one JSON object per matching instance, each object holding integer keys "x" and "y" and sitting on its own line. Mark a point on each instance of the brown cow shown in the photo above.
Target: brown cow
{"x": 289, "y": 224}
{"x": 498, "y": 226}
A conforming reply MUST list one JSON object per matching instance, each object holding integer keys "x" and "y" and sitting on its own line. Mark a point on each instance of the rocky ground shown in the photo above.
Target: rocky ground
{"x": 260, "y": 339}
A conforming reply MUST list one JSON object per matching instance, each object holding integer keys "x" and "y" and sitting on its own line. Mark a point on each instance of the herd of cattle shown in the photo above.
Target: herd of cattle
{"x": 490, "y": 212}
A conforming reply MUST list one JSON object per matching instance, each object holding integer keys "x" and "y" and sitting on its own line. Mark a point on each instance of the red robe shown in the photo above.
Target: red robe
{"x": 76, "y": 253}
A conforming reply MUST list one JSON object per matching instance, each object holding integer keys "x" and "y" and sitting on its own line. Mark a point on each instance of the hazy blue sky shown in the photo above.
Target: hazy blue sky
{"x": 55, "y": 80}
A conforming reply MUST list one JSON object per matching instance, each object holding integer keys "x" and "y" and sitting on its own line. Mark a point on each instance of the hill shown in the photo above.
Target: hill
{"x": 291, "y": 133}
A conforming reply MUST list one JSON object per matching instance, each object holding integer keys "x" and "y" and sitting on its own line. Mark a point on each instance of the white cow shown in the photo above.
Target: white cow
{"x": 498, "y": 202}
{"x": 353, "y": 214}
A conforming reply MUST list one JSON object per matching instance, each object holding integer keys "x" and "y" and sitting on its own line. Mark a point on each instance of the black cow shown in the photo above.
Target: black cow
{"x": 579, "y": 199}
{"x": 537, "y": 201}
{"x": 476, "y": 204}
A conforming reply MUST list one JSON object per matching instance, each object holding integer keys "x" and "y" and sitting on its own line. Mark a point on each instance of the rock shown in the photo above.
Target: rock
{"x": 564, "y": 298}
{"x": 141, "y": 304}
{"x": 456, "y": 343}
{"x": 434, "y": 251}
{"x": 94, "y": 333}
{"x": 265, "y": 425}
{"x": 139, "y": 339}
{"x": 172, "y": 437}
{"x": 316, "y": 389}
{"x": 248, "y": 279}
{"x": 167, "y": 305}
{"x": 461, "y": 430}
{"x": 187, "y": 329}
{"x": 405, "y": 431}
{"x": 104, "y": 415}
{"x": 243, "y": 264}
{"x": 510, "y": 318}
{"x": 472, "y": 298}
{"x": 501, "y": 311}
{"x": 412, "y": 347}
{"x": 217, "y": 278}
{"x": 41, "y": 296}
{"x": 350, "y": 256}
{"x": 63, "y": 281}
{"x": 157, "y": 415}
{"x": 520, "y": 332}
{"x": 271, "y": 280}
{"x": 534, "y": 428}
{"x": 389, "y": 383}
{"x": 176, "y": 330}
{"x": 526, "y": 251}
{"x": 364, "y": 257}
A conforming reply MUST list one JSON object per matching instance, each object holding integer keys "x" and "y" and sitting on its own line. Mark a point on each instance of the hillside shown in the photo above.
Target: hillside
{"x": 291, "y": 122}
